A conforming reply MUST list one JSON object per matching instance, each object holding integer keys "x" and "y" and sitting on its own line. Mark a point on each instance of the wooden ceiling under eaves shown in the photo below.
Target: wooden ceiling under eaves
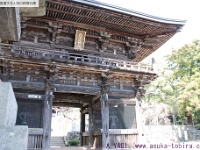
{"x": 152, "y": 32}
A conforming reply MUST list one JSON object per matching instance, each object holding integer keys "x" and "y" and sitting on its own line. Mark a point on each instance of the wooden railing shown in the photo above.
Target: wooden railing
{"x": 119, "y": 138}
{"x": 35, "y": 138}
{"x": 85, "y": 139}
{"x": 97, "y": 136}
{"x": 123, "y": 138}
{"x": 63, "y": 56}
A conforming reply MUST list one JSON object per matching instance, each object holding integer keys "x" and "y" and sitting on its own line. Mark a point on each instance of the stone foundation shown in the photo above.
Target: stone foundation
{"x": 11, "y": 137}
{"x": 8, "y": 105}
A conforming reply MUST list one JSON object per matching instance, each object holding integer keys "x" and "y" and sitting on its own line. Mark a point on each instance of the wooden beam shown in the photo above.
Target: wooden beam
{"x": 35, "y": 86}
{"x": 72, "y": 89}
{"x": 67, "y": 104}
{"x": 119, "y": 102}
{"x": 70, "y": 97}
{"x": 77, "y": 89}
{"x": 122, "y": 93}
{"x": 93, "y": 90}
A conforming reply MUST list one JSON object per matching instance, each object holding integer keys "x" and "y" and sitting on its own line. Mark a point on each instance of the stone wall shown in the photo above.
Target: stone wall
{"x": 170, "y": 133}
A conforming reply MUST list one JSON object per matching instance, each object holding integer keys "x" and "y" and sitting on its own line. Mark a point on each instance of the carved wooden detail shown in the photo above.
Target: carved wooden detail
{"x": 35, "y": 35}
{"x": 133, "y": 45}
{"x": 103, "y": 41}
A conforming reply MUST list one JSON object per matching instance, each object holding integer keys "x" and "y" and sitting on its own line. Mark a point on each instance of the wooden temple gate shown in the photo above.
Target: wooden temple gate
{"x": 83, "y": 54}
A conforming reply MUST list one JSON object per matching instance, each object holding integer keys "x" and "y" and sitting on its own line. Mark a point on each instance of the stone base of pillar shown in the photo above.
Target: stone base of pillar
{"x": 12, "y": 138}
{"x": 8, "y": 105}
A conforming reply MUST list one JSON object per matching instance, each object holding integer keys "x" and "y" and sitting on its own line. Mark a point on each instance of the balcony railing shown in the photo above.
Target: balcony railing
{"x": 64, "y": 56}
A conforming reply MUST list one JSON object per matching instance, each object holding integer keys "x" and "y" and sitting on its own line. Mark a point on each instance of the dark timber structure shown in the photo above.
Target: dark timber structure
{"x": 83, "y": 54}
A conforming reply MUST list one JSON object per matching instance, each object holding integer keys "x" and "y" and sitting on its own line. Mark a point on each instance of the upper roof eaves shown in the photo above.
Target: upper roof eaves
{"x": 131, "y": 12}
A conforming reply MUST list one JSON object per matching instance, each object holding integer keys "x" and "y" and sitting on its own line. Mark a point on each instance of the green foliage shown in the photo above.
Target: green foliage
{"x": 74, "y": 142}
{"x": 198, "y": 126}
{"x": 186, "y": 66}
{"x": 179, "y": 83}
{"x": 162, "y": 89}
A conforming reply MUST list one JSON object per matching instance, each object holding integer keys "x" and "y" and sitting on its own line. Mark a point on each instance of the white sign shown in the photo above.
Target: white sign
{"x": 19, "y": 3}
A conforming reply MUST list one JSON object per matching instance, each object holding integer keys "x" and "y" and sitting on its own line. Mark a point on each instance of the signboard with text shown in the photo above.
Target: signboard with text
{"x": 79, "y": 40}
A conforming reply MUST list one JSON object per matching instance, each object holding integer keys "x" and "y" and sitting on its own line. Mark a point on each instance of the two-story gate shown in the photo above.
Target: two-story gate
{"x": 84, "y": 54}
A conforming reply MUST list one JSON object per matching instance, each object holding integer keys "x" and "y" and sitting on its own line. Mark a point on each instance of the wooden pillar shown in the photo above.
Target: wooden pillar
{"x": 81, "y": 143}
{"x": 139, "y": 93}
{"x": 47, "y": 117}
{"x": 90, "y": 125}
{"x": 82, "y": 126}
{"x": 105, "y": 114}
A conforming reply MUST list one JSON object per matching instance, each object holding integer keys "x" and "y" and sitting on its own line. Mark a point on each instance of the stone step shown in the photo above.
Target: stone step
{"x": 57, "y": 141}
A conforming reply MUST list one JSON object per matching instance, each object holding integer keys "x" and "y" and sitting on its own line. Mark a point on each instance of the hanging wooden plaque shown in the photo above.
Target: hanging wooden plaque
{"x": 79, "y": 40}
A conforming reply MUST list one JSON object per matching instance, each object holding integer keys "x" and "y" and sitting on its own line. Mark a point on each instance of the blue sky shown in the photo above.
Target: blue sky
{"x": 175, "y": 9}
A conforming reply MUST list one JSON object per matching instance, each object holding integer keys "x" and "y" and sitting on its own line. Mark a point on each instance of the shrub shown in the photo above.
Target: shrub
{"x": 198, "y": 126}
{"x": 74, "y": 142}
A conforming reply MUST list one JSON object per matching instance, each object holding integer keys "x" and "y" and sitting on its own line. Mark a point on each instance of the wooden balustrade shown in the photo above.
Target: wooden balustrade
{"x": 123, "y": 138}
{"x": 35, "y": 138}
{"x": 119, "y": 138}
{"x": 63, "y": 56}
{"x": 85, "y": 138}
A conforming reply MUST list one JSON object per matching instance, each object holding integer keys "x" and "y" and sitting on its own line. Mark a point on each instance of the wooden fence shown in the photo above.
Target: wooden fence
{"x": 35, "y": 138}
